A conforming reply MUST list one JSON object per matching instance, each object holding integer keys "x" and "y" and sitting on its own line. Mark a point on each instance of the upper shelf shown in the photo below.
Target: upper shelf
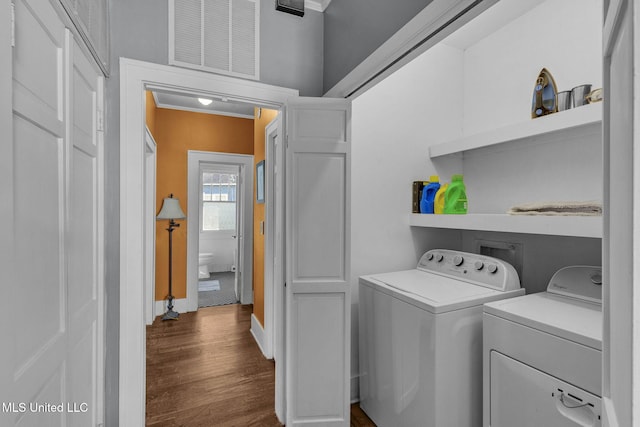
{"x": 541, "y": 128}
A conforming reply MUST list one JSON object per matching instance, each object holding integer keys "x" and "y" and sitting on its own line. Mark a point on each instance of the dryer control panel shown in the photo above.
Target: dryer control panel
{"x": 578, "y": 281}
{"x": 481, "y": 270}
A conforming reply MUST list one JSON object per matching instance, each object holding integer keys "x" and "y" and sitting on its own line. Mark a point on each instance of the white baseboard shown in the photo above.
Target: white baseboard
{"x": 220, "y": 268}
{"x": 355, "y": 389}
{"x": 258, "y": 334}
{"x": 179, "y": 305}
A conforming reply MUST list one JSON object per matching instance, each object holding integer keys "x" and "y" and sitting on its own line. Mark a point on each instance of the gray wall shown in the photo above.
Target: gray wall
{"x": 138, "y": 30}
{"x": 291, "y": 49}
{"x": 291, "y": 56}
{"x": 353, "y": 29}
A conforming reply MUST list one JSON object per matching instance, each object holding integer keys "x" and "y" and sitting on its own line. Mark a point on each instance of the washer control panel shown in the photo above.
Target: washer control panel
{"x": 474, "y": 268}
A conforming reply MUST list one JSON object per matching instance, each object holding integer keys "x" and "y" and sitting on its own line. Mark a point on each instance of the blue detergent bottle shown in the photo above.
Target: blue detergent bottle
{"x": 429, "y": 194}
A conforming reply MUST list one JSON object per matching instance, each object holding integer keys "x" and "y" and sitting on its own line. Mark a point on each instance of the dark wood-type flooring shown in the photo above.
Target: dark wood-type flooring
{"x": 205, "y": 369}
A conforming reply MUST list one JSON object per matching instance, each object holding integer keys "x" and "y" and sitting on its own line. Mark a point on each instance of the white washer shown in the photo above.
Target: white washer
{"x": 421, "y": 339}
{"x": 543, "y": 354}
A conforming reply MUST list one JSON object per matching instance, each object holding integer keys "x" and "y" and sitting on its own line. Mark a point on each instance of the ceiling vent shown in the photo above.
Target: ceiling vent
{"x": 221, "y": 36}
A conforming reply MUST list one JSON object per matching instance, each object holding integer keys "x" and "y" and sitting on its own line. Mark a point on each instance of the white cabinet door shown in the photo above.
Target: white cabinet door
{"x": 621, "y": 263}
{"x": 318, "y": 292}
{"x": 52, "y": 362}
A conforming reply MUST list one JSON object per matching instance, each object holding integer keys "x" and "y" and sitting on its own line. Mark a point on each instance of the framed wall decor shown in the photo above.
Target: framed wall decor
{"x": 260, "y": 182}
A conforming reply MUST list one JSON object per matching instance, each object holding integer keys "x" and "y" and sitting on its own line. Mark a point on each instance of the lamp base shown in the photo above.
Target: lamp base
{"x": 171, "y": 315}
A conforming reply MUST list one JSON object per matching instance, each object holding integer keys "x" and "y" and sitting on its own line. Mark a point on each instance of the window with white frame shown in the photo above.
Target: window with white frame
{"x": 219, "y": 191}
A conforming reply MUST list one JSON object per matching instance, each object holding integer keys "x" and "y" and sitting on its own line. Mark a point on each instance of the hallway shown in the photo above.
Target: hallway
{"x": 205, "y": 369}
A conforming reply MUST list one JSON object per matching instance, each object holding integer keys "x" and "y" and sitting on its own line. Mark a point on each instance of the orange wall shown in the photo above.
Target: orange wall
{"x": 260, "y": 123}
{"x": 176, "y": 132}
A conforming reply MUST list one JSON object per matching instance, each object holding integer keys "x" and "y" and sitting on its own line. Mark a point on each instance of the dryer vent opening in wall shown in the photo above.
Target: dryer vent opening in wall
{"x": 506, "y": 251}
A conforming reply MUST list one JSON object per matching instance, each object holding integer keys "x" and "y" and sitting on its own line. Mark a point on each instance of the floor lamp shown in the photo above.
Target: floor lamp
{"x": 171, "y": 210}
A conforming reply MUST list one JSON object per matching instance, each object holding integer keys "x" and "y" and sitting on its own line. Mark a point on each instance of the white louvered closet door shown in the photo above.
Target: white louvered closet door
{"x": 215, "y": 35}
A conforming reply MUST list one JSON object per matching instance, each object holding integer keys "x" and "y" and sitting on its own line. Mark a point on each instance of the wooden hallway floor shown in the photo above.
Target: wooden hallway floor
{"x": 206, "y": 370}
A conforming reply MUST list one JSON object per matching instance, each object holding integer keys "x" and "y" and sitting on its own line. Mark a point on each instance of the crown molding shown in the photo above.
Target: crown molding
{"x": 317, "y": 5}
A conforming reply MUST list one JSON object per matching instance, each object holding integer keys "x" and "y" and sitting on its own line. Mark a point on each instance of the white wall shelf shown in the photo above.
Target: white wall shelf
{"x": 586, "y": 118}
{"x": 575, "y": 226}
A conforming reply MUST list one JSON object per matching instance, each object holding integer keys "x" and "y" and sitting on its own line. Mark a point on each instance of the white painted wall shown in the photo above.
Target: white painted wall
{"x": 454, "y": 90}
{"x": 499, "y": 74}
{"x": 222, "y": 247}
{"x": 393, "y": 125}
{"x": 500, "y": 70}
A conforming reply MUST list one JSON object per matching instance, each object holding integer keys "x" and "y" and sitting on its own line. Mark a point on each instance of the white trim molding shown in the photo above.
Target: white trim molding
{"x": 436, "y": 21}
{"x": 317, "y": 5}
{"x": 180, "y": 305}
{"x": 258, "y": 334}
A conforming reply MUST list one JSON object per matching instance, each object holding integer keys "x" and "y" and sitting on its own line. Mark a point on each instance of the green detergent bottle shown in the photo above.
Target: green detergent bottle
{"x": 438, "y": 206}
{"x": 455, "y": 198}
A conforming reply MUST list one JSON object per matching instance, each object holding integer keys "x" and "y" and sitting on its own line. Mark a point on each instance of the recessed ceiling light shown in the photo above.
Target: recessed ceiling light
{"x": 205, "y": 101}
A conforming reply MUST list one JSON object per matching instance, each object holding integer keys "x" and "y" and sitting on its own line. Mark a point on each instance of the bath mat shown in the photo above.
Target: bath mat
{"x": 208, "y": 285}
{"x": 226, "y": 294}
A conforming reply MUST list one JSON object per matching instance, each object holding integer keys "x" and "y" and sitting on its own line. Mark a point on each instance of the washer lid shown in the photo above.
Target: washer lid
{"x": 570, "y": 318}
{"x": 434, "y": 292}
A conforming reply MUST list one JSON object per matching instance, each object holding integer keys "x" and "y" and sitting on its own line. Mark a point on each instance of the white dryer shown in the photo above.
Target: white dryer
{"x": 543, "y": 354}
{"x": 421, "y": 339}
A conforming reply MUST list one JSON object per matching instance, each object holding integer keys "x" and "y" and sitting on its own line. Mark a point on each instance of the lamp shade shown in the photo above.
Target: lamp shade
{"x": 171, "y": 209}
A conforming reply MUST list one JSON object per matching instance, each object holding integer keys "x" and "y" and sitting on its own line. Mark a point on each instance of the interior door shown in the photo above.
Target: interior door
{"x": 149, "y": 227}
{"x": 237, "y": 236}
{"x": 318, "y": 292}
{"x": 37, "y": 305}
{"x": 84, "y": 238}
{"x": 55, "y": 298}
{"x": 621, "y": 263}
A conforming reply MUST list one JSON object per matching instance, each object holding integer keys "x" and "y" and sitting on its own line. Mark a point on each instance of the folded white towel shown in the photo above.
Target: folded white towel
{"x": 567, "y": 208}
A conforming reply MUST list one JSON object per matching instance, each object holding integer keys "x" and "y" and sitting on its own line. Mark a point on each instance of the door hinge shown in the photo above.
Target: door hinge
{"x": 13, "y": 24}
{"x": 100, "y": 121}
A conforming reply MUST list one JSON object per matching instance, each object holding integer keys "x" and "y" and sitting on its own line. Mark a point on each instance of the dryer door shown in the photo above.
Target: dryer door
{"x": 523, "y": 396}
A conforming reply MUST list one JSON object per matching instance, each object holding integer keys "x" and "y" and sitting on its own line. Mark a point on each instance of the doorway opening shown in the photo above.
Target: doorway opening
{"x": 218, "y": 244}
{"x": 137, "y": 77}
{"x": 220, "y": 234}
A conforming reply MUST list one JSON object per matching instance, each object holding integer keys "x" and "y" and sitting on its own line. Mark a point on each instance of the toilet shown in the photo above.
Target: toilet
{"x": 204, "y": 259}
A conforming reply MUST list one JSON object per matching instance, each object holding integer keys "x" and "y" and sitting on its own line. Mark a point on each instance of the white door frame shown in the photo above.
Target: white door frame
{"x": 150, "y": 226}
{"x": 135, "y": 78}
{"x": 273, "y": 244}
{"x": 245, "y": 227}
